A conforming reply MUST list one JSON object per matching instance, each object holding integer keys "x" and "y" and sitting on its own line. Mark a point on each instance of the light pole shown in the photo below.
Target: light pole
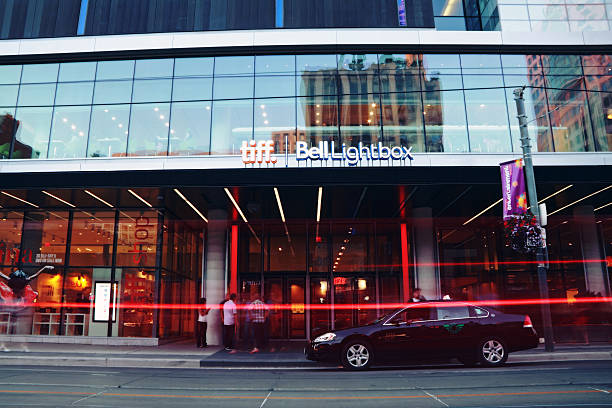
{"x": 541, "y": 251}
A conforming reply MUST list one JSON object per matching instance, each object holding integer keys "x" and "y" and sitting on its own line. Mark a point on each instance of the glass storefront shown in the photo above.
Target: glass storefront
{"x": 208, "y": 106}
{"x": 362, "y": 257}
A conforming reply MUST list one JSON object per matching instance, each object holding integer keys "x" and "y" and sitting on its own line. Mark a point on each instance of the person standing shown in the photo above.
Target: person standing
{"x": 202, "y": 324}
{"x": 258, "y": 312}
{"x": 416, "y": 296}
{"x": 229, "y": 323}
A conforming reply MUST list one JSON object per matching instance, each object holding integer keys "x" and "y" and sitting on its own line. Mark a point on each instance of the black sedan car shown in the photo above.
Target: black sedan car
{"x": 428, "y": 330}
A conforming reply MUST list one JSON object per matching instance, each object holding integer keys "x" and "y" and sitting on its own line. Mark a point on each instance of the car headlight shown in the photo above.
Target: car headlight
{"x": 325, "y": 337}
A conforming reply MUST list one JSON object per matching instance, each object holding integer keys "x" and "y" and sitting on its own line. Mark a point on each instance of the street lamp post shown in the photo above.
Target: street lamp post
{"x": 541, "y": 251}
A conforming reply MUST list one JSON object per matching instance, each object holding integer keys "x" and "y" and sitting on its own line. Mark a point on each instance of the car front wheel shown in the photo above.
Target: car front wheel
{"x": 357, "y": 355}
{"x": 492, "y": 352}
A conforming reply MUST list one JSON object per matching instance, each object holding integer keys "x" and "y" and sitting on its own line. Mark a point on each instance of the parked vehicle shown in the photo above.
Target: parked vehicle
{"x": 428, "y": 330}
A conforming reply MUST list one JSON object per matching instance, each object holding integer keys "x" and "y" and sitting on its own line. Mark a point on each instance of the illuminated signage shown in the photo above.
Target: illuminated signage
{"x": 104, "y": 292}
{"x": 262, "y": 152}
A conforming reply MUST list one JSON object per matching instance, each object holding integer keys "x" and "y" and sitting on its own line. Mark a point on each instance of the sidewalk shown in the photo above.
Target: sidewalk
{"x": 184, "y": 354}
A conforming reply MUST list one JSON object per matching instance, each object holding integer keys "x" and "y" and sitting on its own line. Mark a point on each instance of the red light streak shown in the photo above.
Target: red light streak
{"x": 369, "y": 306}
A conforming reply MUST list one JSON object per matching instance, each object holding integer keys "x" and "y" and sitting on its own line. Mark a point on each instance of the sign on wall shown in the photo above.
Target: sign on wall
{"x": 326, "y": 151}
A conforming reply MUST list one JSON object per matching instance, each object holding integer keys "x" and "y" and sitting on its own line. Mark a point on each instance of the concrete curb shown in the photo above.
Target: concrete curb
{"x": 139, "y": 362}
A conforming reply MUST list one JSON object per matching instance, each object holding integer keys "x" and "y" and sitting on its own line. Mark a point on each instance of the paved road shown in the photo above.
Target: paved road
{"x": 575, "y": 384}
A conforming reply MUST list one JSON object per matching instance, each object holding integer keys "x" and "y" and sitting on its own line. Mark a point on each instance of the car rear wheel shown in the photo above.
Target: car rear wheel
{"x": 357, "y": 355}
{"x": 492, "y": 352}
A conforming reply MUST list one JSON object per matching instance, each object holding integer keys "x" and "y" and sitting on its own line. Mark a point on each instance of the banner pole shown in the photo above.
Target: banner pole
{"x": 542, "y": 251}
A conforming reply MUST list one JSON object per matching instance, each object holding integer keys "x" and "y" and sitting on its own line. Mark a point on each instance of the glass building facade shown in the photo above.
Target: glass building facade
{"x": 120, "y": 160}
{"x": 206, "y": 106}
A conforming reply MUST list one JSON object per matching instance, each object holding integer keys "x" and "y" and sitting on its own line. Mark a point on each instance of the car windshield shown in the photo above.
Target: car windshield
{"x": 383, "y": 317}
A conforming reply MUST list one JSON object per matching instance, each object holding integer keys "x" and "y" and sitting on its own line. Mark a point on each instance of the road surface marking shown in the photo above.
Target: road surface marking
{"x": 266, "y": 399}
{"x": 87, "y": 397}
{"x": 436, "y": 398}
{"x": 270, "y": 397}
{"x": 600, "y": 390}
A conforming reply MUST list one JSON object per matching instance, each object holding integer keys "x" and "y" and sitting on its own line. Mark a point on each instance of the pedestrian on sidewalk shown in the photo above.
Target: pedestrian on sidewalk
{"x": 258, "y": 311}
{"x": 229, "y": 323}
{"x": 202, "y": 324}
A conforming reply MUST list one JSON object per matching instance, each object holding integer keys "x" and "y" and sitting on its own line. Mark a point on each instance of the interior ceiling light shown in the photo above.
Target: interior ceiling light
{"x": 191, "y": 205}
{"x": 483, "y": 211}
{"x": 603, "y": 206}
{"x": 231, "y": 197}
{"x": 59, "y": 199}
{"x": 98, "y": 198}
{"x": 19, "y": 199}
{"x": 579, "y": 200}
{"x": 280, "y": 205}
{"x": 553, "y": 194}
{"x": 139, "y": 197}
{"x": 319, "y": 204}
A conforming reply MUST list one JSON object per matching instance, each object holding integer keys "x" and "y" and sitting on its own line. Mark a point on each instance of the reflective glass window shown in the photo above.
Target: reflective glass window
{"x": 447, "y": 8}
{"x": 152, "y": 90}
{"x": 194, "y": 66}
{"x": 570, "y": 121}
{"x": 232, "y": 122}
{"x": 77, "y": 71}
{"x": 475, "y": 64}
{"x": 115, "y": 70}
{"x": 547, "y": 12}
{"x": 515, "y": 25}
{"x": 317, "y": 84}
{"x": 537, "y": 125}
{"x": 10, "y": 235}
{"x": 317, "y": 119}
{"x": 108, "y": 131}
{"x": 316, "y": 63}
{"x": 192, "y": 89}
{"x": 10, "y": 74}
{"x": 512, "y": 12}
{"x": 234, "y": 65}
{"x": 487, "y": 121}
{"x": 586, "y": 11}
{"x": 190, "y": 128}
{"x": 355, "y": 83}
{"x": 441, "y": 72}
{"x": 274, "y": 119}
{"x": 274, "y": 64}
{"x": 274, "y": 85}
{"x": 37, "y": 73}
{"x": 154, "y": 68}
{"x": 149, "y": 126}
{"x": 92, "y": 238}
{"x": 399, "y": 72}
{"x": 357, "y": 62}
{"x": 113, "y": 92}
{"x": 234, "y": 87}
{"x": 8, "y": 95}
{"x": 7, "y": 125}
{"x": 360, "y": 119}
{"x": 74, "y": 93}
{"x": 549, "y": 26}
{"x": 449, "y": 23}
{"x": 36, "y": 94}
{"x": 589, "y": 25}
{"x": 69, "y": 132}
{"x": 32, "y": 137}
{"x": 445, "y": 123}
{"x": 402, "y": 120}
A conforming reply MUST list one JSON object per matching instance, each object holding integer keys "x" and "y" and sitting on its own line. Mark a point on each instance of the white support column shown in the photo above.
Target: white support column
{"x": 214, "y": 272}
{"x": 426, "y": 271}
{"x": 594, "y": 274}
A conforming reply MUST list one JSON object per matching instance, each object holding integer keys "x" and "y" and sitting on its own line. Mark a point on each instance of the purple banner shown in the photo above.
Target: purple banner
{"x": 401, "y": 13}
{"x": 513, "y": 188}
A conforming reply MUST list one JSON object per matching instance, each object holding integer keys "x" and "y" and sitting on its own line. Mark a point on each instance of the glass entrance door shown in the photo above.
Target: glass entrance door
{"x": 355, "y": 298}
{"x": 289, "y": 322}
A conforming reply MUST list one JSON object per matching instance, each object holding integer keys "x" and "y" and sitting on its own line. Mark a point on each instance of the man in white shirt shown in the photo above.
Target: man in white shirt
{"x": 229, "y": 323}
